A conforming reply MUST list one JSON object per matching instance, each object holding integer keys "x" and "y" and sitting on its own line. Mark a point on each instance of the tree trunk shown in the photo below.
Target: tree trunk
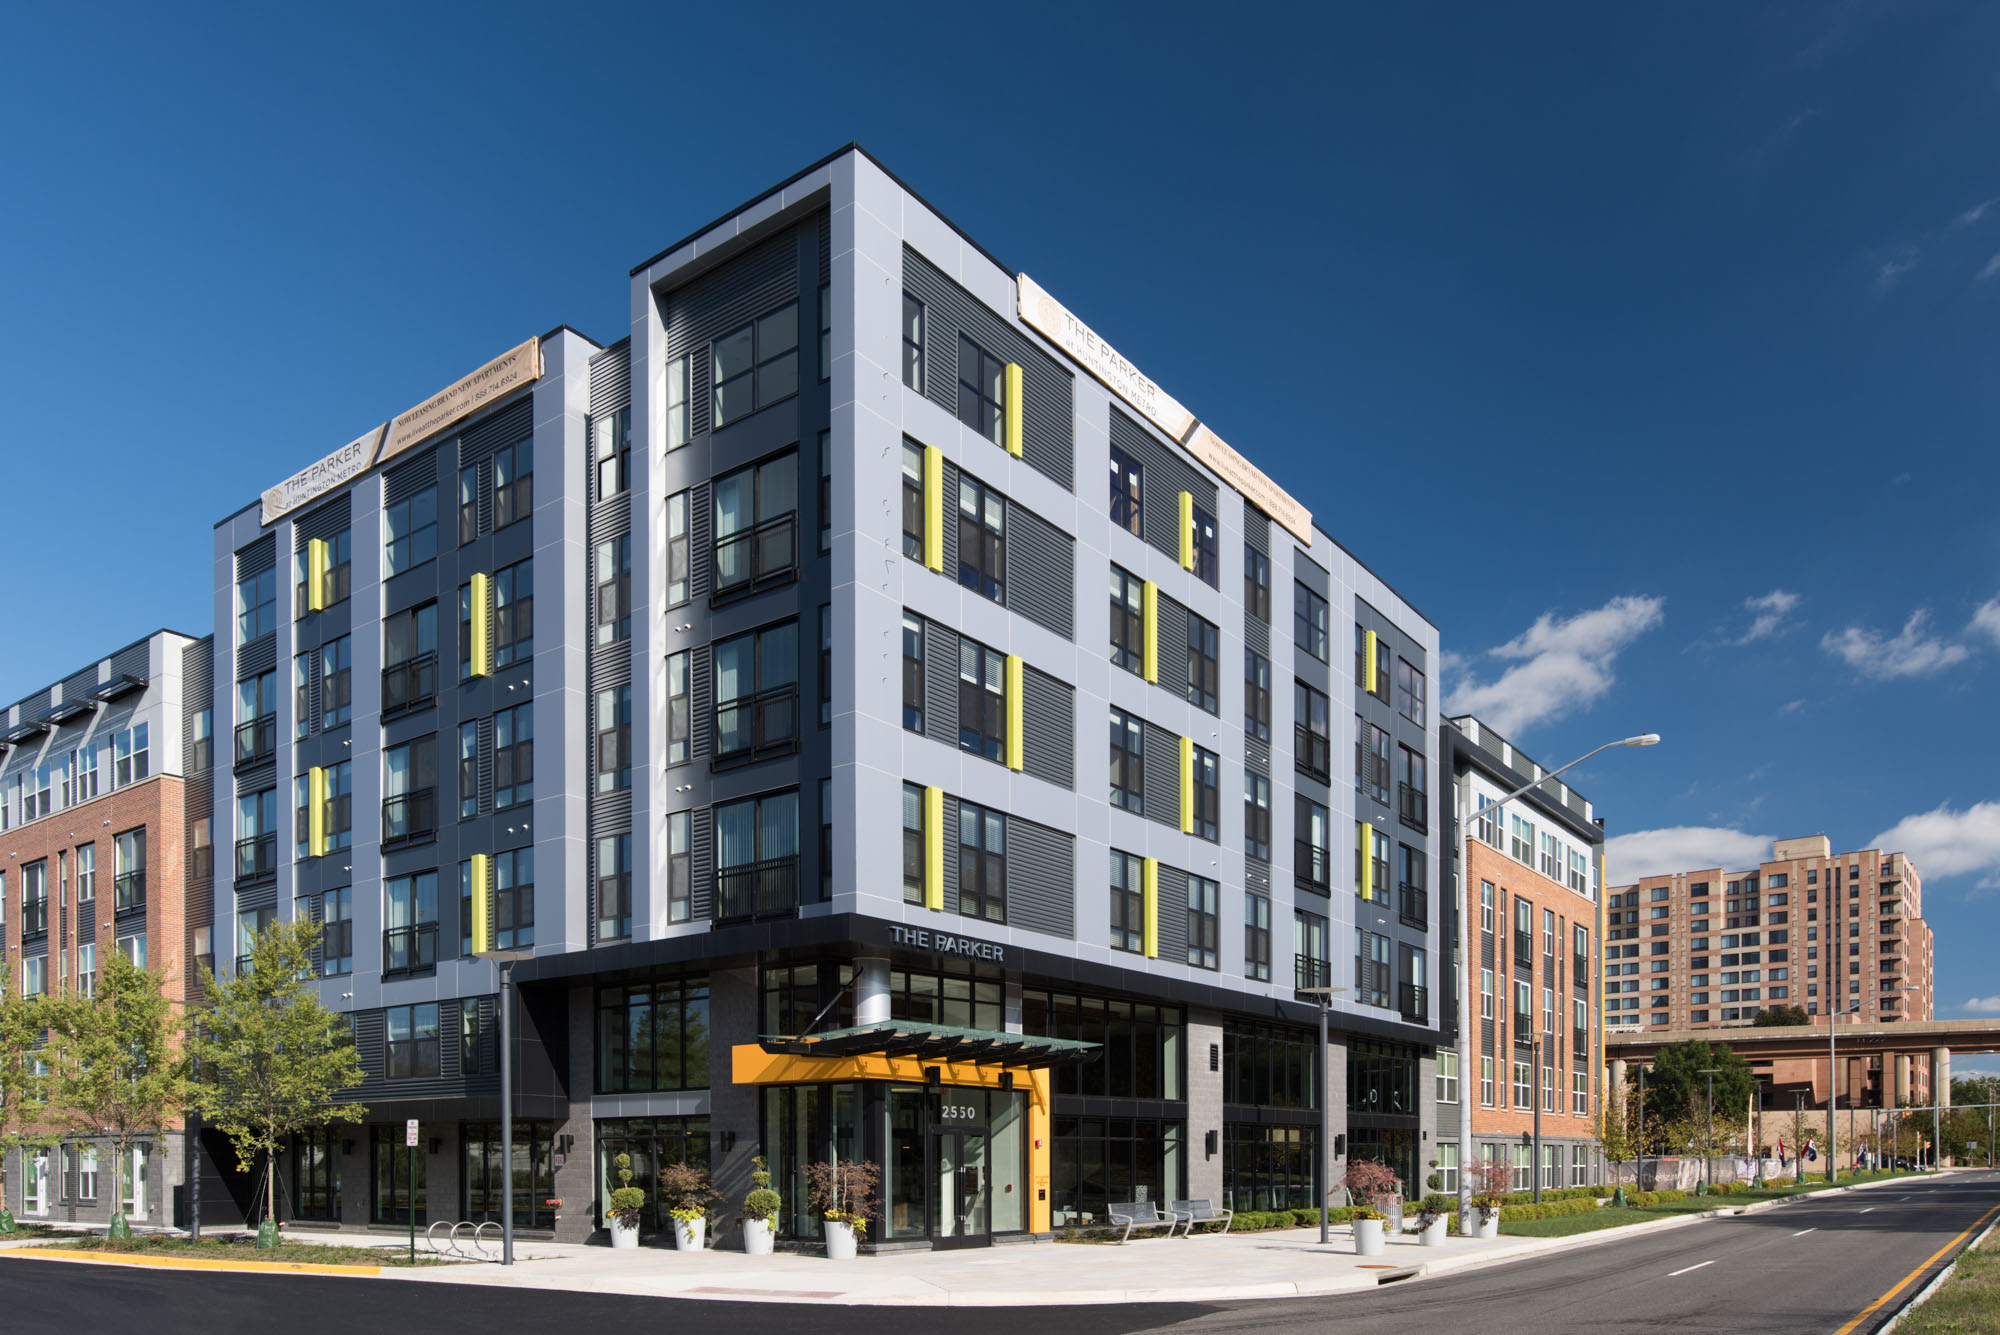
{"x": 270, "y": 1183}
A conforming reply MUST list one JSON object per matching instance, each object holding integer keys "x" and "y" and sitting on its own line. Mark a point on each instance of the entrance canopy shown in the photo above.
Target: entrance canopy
{"x": 936, "y": 1042}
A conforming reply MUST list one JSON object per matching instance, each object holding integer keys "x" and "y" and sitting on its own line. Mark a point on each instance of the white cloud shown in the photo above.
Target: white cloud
{"x": 1992, "y": 267}
{"x": 1975, "y": 213}
{"x": 1771, "y": 610}
{"x": 1944, "y": 842}
{"x": 1559, "y": 664}
{"x": 1912, "y": 653}
{"x": 1982, "y": 1005}
{"x": 1627, "y": 857}
{"x": 1892, "y": 271}
{"x": 1791, "y": 706}
{"x": 1987, "y": 619}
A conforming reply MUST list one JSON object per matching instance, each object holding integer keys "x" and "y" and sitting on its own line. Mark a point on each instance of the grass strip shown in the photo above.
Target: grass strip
{"x": 1966, "y": 1304}
{"x": 245, "y": 1251}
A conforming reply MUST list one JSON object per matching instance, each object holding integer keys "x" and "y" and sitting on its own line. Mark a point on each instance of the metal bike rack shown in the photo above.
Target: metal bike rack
{"x": 473, "y": 1246}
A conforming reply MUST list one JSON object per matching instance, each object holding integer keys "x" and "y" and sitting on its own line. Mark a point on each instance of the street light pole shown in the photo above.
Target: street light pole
{"x": 1535, "y": 1056}
{"x": 1461, "y": 955}
{"x": 1833, "y": 1073}
{"x": 1640, "y": 1181}
{"x": 1799, "y": 1151}
{"x": 1324, "y": 1158}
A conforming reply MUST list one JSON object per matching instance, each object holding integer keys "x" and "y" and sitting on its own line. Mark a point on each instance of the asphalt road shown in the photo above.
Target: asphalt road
{"x": 1808, "y": 1266}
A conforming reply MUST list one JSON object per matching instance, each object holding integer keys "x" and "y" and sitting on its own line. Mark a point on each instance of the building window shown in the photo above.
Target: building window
{"x": 1309, "y": 621}
{"x": 128, "y": 880}
{"x": 679, "y": 709}
{"x": 1371, "y": 968}
{"x": 982, "y": 700}
{"x": 204, "y": 743}
{"x": 412, "y": 1050}
{"x": 1447, "y": 1076}
{"x": 757, "y": 856}
{"x": 1312, "y": 965}
{"x": 913, "y": 673}
{"x": 336, "y": 932}
{"x": 513, "y": 757}
{"x": 130, "y": 760}
{"x": 913, "y": 844}
{"x": 409, "y": 532}
{"x": 1126, "y": 494}
{"x": 981, "y": 389}
{"x": 256, "y": 606}
{"x": 513, "y": 873}
{"x": 257, "y": 834}
{"x": 86, "y": 880}
{"x": 1522, "y": 840}
{"x": 757, "y": 365}
{"x": 514, "y": 614}
{"x": 757, "y": 694}
{"x": 982, "y": 539}
{"x": 1257, "y": 695}
{"x": 824, "y": 502}
{"x": 1257, "y": 938}
{"x": 982, "y": 863}
{"x": 1371, "y": 760}
{"x": 1204, "y": 665}
{"x": 913, "y": 343}
{"x": 913, "y": 500}
{"x": 1379, "y": 687}
{"x": 1256, "y": 816}
{"x": 614, "y": 589}
{"x": 1312, "y": 740}
{"x": 1409, "y": 692}
{"x": 756, "y": 527}
{"x": 1413, "y": 886}
{"x": 513, "y": 482}
{"x": 409, "y": 924}
{"x": 336, "y": 682}
{"x": 409, "y": 791}
{"x": 409, "y": 660}
{"x": 611, "y": 446}
{"x": 653, "y": 1036}
{"x": 680, "y": 867}
{"x": 1128, "y": 762}
{"x": 1207, "y": 795}
{"x": 1128, "y": 621}
{"x": 1413, "y": 791}
{"x": 1256, "y": 583}
{"x": 256, "y": 718}
{"x": 468, "y": 503}
{"x": 677, "y": 549}
{"x": 825, "y": 331}
{"x": 1202, "y": 921}
{"x": 825, "y": 664}
{"x": 1486, "y": 1082}
{"x": 1312, "y": 863}
{"x": 302, "y": 677}
{"x": 1207, "y": 556}
{"x": 1128, "y": 902}
{"x": 614, "y": 739}
{"x": 614, "y": 886}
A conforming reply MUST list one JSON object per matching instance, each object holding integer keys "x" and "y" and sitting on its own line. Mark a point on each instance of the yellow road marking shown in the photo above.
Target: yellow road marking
{"x": 1906, "y": 1280}
{"x": 185, "y": 1262}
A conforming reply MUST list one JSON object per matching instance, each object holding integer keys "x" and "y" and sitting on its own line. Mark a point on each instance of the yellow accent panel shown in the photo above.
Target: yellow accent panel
{"x": 1149, "y": 632}
{"x": 1187, "y": 530}
{"x": 1011, "y": 409}
{"x": 319, "y": 559}
{"x": 933, "y": 509}
{"x": 934, "y": 848}
{"x": 1187, "y": 785}
{"x": 1374, "y": 663}
{"x": 1365, "y": 837}
{"x": 316, "y": 813}
{"x": 482, "y": 904}
{"x": 1016, "y": 758}
{"x": 1150, "y": 937}
{"x": 482, "y": 617}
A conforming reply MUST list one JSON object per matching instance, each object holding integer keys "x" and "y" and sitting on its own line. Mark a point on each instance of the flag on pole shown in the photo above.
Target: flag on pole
{"x": 1781, "y": 1151}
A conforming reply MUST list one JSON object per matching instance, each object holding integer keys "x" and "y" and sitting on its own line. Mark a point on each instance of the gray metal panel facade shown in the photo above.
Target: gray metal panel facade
{"x": 1048, "y": 727}
{"x": 1041, "y": 876}
{"x": 1046, "y": 595}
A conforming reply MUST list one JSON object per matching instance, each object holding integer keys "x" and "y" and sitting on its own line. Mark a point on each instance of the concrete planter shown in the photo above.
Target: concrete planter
{"x": 840, "y": 1242}
{"x": 1486, "y": 1224}
{"x": 624, "y": 1235}
{"x": 1368, "y": 1237}
{"x": 757, "y": 1237}
{"x": 1433, "y": 1233}
{"x": 690, "y": 1236}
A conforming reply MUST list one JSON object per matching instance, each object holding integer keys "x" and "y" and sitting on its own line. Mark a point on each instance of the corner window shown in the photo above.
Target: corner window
{"x": 757, "y": 365}
{"x": 756, "y": 527}
{"x": 611, "y": 447}
{"x": 409, "y": 532}
{"x": 913, "y": 343}
{"x": 981, "y": 381}
{"x": 1126, "y": 493}
{"x": 680, "y": 421}
{"x": 256, "y": 606}
{"x": 1409, "y": 692}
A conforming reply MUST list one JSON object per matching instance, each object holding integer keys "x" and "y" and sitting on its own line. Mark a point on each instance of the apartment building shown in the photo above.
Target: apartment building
{"x": 1528, "y": 1061}
{"x": 94, "y": 857}
{"x": 858, "y": 542}
{"x": 1709, "y": 949}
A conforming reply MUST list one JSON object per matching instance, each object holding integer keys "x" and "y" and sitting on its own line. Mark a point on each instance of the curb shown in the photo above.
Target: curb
{"x": 188, "y": 1263}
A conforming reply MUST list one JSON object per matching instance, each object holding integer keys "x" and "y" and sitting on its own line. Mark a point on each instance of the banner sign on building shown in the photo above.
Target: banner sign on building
{"x": 1052, "y": 319}
{"x": 498, "y": 378}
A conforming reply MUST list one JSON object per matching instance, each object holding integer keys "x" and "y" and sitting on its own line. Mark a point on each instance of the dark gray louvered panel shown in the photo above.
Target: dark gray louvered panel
{"x": 199, "y": 795}
{"x": 612, "y": 812}
{"x": 263, "y": 896}
{"x": 1173, "y": 633}
{"x": 701, "y": 558}
{"x": 1173, "y": 914}
{"x": 260, "y": 655}
{"x": 940, "y": 683}
{"x": 1048, "y": 727}
{"x": 488, "y": 1051}
{"x": 701, "y": 863}
{"x": 82, "y": 684}
{"x": 1257, "y": 529}
{"x": 406, "y": 480}
{"x": 1256, "y": 635}
{"x": 255, "y": 559}
{"x": 312, "y": 701}
{"x": 1257, "y": 877}
{"x": 1163, "y": 776}
{"x": 86, "y": 928}
{"x": 514, "y": 422}
{"x": 482, "y": 492}
{"x": 1048, "y": 443}
{"x": 825, "y": 247}
{"x": 1164, "y": 475}
{"x": 1257, "y": 756}
{"x": 370, "y": 1029}
{"x": 1041, "y": 878}
{"x": 725, "y": 299}
{"x": 948, "y": 517}
{"x": 483, "y": 772}
{"x": 612, "y": 517}
{"x": 611, "y": 378}
{"x": 1041, "y": 571}
{"x": 312, "y": 909}
{"x": 323, "y": 523}
{"x": 701, "y": 700}
{"x": 950, "y": 878}
{"x": 36, "y": 949}
{"x": 590, "y": 868}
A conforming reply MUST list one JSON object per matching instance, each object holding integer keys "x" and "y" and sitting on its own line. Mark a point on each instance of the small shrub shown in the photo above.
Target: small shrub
{"x": 627, "y": 1201}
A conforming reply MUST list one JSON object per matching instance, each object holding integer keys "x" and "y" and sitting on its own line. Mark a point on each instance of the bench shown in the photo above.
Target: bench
{"x": 1202, "y": 1212}
{"x": 1143, "y": 1214}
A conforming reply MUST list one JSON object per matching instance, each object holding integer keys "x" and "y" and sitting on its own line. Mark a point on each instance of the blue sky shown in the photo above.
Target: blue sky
{"x": 1650, "y": 352}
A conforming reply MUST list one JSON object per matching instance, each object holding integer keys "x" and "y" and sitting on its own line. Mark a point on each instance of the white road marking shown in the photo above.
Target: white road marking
{"x": 1802, "y": 1232}
{"x": 1698, "y": 1265}
{"x": 1869, "y": 1208}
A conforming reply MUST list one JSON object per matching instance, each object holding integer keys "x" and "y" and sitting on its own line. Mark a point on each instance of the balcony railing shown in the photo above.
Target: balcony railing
{"x": 1415, "y": 905}
{"x": 1312, "y": 866}
{"x": 257, "y": 856}
{"x": 756, "y": 558}
{"x": 128, "y": 892}
{"x": 409, "y": 685}
{"x": 757, "y": 726}
{"x": 243, "y": 963}
{"x": 1312, "y": 753}
{"x": 759, "y": 889}
{"x": 256, "y": 740}
{"x": 407, "y": 950}
{"x": 1413, "y": 807}
{"x": 1312, "y": 972}
{"x": 408, "y": 817}
{"x": 1524, "y": 1029}
{"x": 1416, "y": 1002}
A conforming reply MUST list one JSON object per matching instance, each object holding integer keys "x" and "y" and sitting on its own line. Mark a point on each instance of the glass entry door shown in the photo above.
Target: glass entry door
{"x": 960, "y": 1201}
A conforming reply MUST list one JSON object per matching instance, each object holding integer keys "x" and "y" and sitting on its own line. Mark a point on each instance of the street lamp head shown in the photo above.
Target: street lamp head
{"x": 1329, "y": 993}
{"x": 1643, "y": 739}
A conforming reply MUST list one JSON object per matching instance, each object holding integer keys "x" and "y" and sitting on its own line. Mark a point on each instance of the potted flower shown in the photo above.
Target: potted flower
{"x": 1376, "y": 1190}
{"x": 685, "y": 1189}
{"x": 1367, "y": 1221}
{"x": 760, "y": 1210}
{"x": 627, "y": 1203}
{"x": 842, "y": 1194}
{"x": 1430, "y": 1224}
{"x": 1491, "y": 1179}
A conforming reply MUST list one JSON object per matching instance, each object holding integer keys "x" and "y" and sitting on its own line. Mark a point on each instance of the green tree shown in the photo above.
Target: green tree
{"x": 117, "y": 1068}
{"x": 1781, "y": 1015}
{"x": 1614, "y": 1126}
{"x": 24, "y": 1079}
{"x": 269, "y": 1057}
{"x": 1677, "y": 1089}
